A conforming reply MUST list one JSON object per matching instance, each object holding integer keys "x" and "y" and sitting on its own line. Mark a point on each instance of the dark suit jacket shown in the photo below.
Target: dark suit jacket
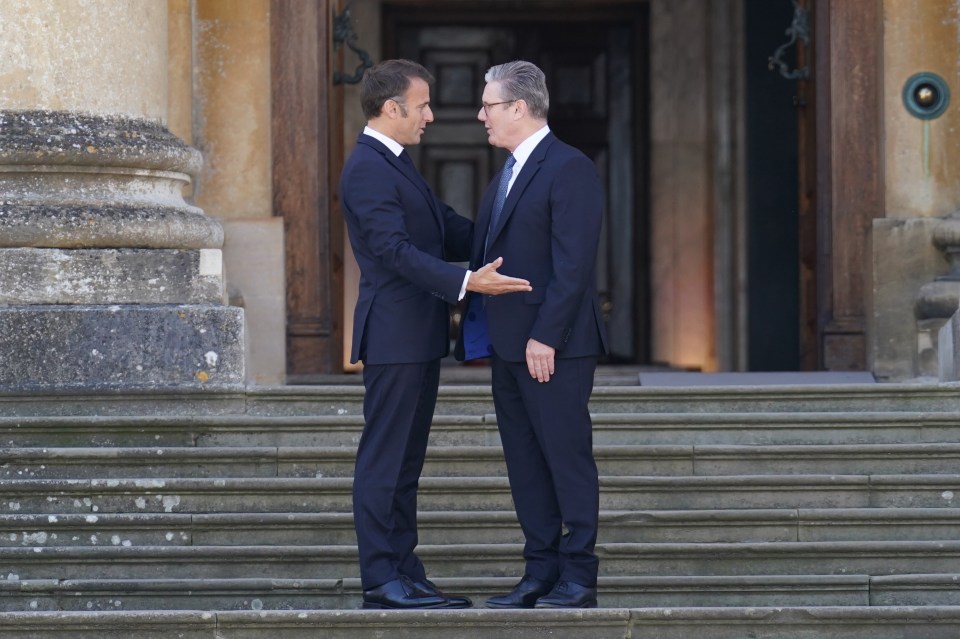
{"x": 402, "y": 237}
{"x": 548, "y": 233}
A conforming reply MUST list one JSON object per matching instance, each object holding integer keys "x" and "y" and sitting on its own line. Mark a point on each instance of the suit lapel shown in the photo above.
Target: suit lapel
{"x": 409, "y": 171}
{"x": 529, "y": 170}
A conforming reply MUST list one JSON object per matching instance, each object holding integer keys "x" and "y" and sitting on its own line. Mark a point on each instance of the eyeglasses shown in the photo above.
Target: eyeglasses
{"x": 486, "y": 107}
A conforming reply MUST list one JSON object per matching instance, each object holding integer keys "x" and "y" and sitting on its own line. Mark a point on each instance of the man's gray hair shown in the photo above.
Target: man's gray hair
{"x": 522, "y": 80}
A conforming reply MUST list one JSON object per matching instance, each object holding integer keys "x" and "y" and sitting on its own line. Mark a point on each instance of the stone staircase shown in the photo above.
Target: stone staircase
{"x": 727, "y": 512}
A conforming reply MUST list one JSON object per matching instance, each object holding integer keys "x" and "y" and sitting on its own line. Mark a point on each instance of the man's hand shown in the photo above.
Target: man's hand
{"x": 540, "y": 360}
{"x": 486, "y": 280}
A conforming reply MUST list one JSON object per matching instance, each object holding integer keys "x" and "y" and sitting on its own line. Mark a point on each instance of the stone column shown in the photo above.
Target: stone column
{"x": 913, "y": 293}
{"x": 108, "y": 278}
{"x": 680, "y": 218}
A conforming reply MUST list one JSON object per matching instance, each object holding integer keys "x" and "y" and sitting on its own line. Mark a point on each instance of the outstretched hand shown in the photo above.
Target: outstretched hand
{"x": 486, "y": 280}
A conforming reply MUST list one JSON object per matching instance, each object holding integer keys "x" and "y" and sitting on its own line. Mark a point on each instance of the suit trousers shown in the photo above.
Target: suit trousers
{"x": 547, "y": 438}
{"x": 398, "y": 407}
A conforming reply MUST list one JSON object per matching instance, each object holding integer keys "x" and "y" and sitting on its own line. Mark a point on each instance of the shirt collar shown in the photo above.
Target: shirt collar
{"x": 525, "y": 148}
{"x": 389, "y": 142}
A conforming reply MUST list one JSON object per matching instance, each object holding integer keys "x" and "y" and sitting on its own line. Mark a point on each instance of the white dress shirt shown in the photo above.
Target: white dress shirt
{"x": 522, "y": 153}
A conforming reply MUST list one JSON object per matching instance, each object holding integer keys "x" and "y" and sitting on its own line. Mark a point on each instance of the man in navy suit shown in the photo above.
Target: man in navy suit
{"x": 542, "y": 215}
{"x": 403, "y": 237}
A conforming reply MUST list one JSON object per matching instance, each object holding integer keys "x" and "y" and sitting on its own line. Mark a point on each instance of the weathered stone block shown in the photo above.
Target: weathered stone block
{"x": 110, "y": 276}
{"x": 124, "y": 347}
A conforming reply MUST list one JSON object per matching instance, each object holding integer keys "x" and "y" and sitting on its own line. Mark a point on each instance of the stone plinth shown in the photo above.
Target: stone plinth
{"x": 74, "y": 347}
{"x": 902, "y": 260}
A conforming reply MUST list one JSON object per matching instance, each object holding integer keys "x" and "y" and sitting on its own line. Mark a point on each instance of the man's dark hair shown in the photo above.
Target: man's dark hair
{"x": 389, "y": 80}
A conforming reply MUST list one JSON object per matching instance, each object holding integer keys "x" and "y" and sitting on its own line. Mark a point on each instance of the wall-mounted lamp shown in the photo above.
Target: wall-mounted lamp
{"x": 926, "y": 95}
{"x": 798, "y": 29}
{"x": 343, "y": 33}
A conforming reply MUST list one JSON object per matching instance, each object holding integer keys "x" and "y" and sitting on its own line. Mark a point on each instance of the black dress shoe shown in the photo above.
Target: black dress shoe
{"x": 523, "y": 595}
{"x": 567, "y": 594}
{"x": 400, "y": 594}
{"x": 427, "y": 587}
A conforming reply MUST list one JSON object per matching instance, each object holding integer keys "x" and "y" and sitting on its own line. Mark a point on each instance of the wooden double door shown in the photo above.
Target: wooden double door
{"x": 596, "y": 59}
{"x": 593, "y": 61}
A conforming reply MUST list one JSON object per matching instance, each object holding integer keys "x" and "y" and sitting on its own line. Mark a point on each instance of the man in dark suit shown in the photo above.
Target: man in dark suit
{"x": 542, "y": 215}
{"x": 403, "y": 238}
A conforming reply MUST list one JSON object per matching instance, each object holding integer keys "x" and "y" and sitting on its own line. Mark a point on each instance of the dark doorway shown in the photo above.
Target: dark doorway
{"x": 772, "y": 196}
{"x": 595, "y": 61}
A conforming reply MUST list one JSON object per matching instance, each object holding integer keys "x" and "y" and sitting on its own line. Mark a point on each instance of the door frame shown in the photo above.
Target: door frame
{"x": 849, "y": 190}
{"x": 307, "y": 153}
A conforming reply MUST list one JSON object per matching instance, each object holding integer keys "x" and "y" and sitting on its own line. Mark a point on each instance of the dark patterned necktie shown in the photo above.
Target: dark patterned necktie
{"x": 501, "y": 197}
{"x": 406, "y": 159}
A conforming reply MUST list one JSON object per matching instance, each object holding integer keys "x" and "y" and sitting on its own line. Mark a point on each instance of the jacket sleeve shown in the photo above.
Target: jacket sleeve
{"x": 458, "y": 235}
{"x": 576, "y": 213}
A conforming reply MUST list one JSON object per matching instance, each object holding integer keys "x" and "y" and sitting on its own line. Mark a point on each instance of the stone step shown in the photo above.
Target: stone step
{"x": 475, "y": 461}
{"x": 473, "y": 560}
{"x": 847, "y": 459}
{"x": 302, "y": 461}
{"x": 820, "y": 622}
{"x": 628, "y": 428}
{"x": 494, "y": 527}
{"x": 223, "y": 495}
{"x": 476, "y": 400}
{"x": 345, "y": 594}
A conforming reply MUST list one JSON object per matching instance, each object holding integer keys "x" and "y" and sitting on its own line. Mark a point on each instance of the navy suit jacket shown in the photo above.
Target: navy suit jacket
{"x": 548, "y": 233}
{"x": 402, "y": 236}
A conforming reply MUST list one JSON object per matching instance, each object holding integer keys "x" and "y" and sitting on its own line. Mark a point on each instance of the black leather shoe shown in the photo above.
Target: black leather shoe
{"x": 427, "y": 587}
{"x": 400, "y": 594}
{"x": 523, "y": 595}
{"x": 567, "y": 594}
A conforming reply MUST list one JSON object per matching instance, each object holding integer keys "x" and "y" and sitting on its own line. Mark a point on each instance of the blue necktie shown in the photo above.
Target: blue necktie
{"x": 501, "y": 195}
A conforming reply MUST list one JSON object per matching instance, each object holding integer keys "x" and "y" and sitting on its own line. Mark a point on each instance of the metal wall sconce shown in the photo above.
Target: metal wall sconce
{"x": 343, "y": 33}
{"x": 799, "y": 29}
{"x": 926, "y": 95}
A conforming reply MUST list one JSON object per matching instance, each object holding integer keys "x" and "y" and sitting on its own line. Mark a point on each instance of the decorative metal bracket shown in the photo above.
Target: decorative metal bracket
{"x": 343, "y": 33}
{"x": 799, "y": 29}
